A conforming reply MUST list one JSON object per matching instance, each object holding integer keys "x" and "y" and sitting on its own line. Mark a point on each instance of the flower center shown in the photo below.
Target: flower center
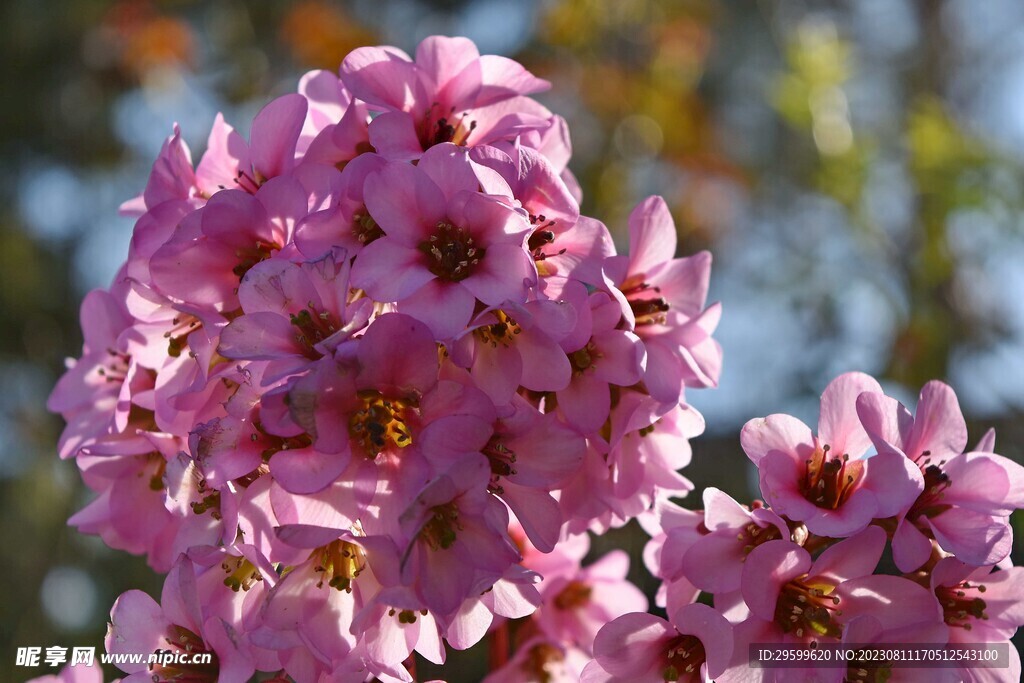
{"x": 364, "y": 228}
{"x": 406, "y": 616}
{"x": 575, "y": 595}
{"x": 184, "y": 646}
{"x": 753, "y": 535}
{"x": 450, "y": 128}
{"x": 685, "y": 656}
{"x": 500, "y": 332}
{"x": 381, "y": 421}
{"x": 340, "y": 562}
{"x": 929, "y": 503}
{"x": 241, "y": 574}
{"x": 584, "y": 358}
{"x": 961, "y": 604}
{"x": 177, "y": 337}
{"x": 440, "y": 529}
{"x": 313, "y": 327}
{"x": 649, "y": 311}
{"x": 451, "y": 252}
{"x": 828, "y": 482}
{"x": 808, "y": 610}
{"x": 502, "y": 460}
{"x": 250, "y": 256}
{"x": 542, "y": 662}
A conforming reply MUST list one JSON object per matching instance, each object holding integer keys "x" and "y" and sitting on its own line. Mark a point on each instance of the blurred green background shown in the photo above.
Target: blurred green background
{"x": 856, "y": 168}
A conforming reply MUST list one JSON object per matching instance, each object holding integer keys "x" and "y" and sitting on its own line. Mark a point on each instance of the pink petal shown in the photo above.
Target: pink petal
{"x": 684, "y": 282}
{"x": 498, "y": 370}
{"x": 622, "y": 358}
{"x": 721, "y": 511}
{"x": 545, "y": 367}
{"x": 382, "y": 76}
{"x": 490, "y": 220}
{"x": 975, "y": 538}
{"x": 895, "y": 480}
{"x": 505, "y": 274}
{"x": 448, "y": 165}
{"x": 397, "y": 352}
{"x": 393, "y": 135}
{"x": 137, "y": 624}
{"x": 896, "y": 602}
{"x": 277, "y": 286}
{"x": 939, "y": 424}
{"x": 779, "y": 432}
{"x": 767, "y": 569}
{"x": 664, "y": 374}
{"x": 195, "y": 271}
{"x": 780, "y": 476}
{"x": 390, "y": 271}
{"x": 538, "y": 513}
{"x": 714, "y": 563}
{"x": 449, "y": 439}
{"x": 444, "y": 307}
{"x": 275, "y": 130}
{"x": 910, "y": 548}
{"x": 307, "y": 470}
{"x": 855, "y": 557}
{"x": 259, "y": 336}
{"x": 585, "y": 402}
{"x": 226, "y": 153}
{"x": 404, "y": 202}
{"x": 985, "y": 482}
{"x": 652, "y": 235}
{"x": 503, "y": 77}
{"x": 236, "y": 218}
{"x": 886, "y": 420}
{"x": 632, "y": 645}
{"x": 444, "y": 61}
{"x": 714, "y": 632}
{"x": 838, "y": 424}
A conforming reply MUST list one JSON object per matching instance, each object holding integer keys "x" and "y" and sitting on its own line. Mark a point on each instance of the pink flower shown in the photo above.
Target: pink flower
{"x": 445, "y": 245}
{"x": 608, "y": 356}
{"x": 673, "y": 529}
{"x": 517, "y": 346}
{"x": 964, "y": 500}
{"x": 312, "y": 608}
{"x": 541, "y": 660}
{"x": 448, "y": 94}
{"x": 576, "y": 606}
{"x": 823, "y": 481}
{"x": 530, "y": 454}
{"x": 345, "y": 222}
{"x": 714, "y": 561}
{"x": 794, "y": 599}
{"x": 89, "y": 392}
{"x": 980, "y": 606}
{"x": 457, "y": 543}
{"x": 642, "y": 648}
{"x": 139, "y": 625}
{"x": 294, "y": 313}
{"x": 206, "y": 257}
{"x": 667, "y": 300}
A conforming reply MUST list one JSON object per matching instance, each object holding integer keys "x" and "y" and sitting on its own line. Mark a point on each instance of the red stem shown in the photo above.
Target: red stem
{"x": 499, "y": 644}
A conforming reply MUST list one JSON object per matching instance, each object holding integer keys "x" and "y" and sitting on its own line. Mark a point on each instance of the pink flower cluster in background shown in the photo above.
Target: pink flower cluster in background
{"x": 805, "y": 568}
{"x": 368, "y": 380}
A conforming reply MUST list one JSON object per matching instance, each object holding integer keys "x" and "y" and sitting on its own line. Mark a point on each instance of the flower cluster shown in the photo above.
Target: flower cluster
{"x": 369, "y": 375}
{"x": 805, "y": 565}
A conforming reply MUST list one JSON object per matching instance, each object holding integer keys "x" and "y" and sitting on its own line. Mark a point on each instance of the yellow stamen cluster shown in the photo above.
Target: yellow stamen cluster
{"x": 379, "y": 423}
